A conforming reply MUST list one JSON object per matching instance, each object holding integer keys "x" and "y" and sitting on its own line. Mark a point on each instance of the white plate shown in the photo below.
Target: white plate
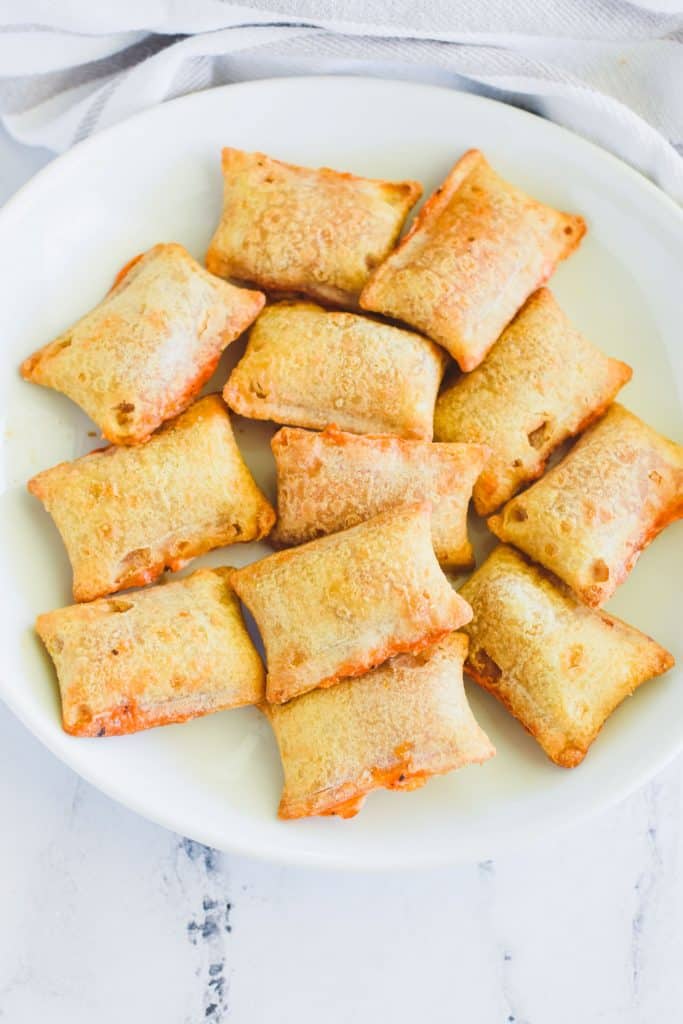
{"x": 157, "y": 178}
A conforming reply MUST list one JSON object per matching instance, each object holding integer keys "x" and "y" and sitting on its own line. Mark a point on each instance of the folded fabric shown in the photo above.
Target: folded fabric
{"x": 609, "y": 71}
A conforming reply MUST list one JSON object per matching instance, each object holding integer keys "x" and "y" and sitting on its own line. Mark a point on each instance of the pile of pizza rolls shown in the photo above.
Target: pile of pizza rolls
{"x": 409, "y": 377}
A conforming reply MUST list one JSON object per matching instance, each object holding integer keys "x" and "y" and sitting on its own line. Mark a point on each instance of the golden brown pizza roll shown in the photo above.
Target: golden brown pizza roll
{"x": 154, "y": 657}
{"x": 559, "y": 667}
{"x": 142, "y": 354}
{"x": 591, "y": 516}
{"x": 541, "y": 383}
{"x": 308, "y": 367}
{"x": 476, "y": 251}
{"x": 330, "y": 481}
{"x": 295, "y": 229}
{"x": 395, "y": 727}
{"x": 126, "y": 514}
{"x": 345, "y": 603}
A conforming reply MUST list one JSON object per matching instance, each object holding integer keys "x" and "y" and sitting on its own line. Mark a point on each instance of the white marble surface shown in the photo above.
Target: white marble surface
{"x": 106, "y": 918}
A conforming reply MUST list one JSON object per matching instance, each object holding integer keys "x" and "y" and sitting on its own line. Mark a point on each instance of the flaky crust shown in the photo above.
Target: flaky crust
{"x": 158, "y": 656}
{"x": 343, "y": 604}
{"x": 141, "y": 355}
{"x": 309, "y": 367}
{"x": 394, "y": 728}
{"x": 559, "y": 667}
{"x": 590, "y": 517}
{"x": 475, "y": 252}
{"x": 541, "y": 383}
{"x": 295, "y": 229}
{"x": 330, "y": 481}
{"x": 126, "y": 514}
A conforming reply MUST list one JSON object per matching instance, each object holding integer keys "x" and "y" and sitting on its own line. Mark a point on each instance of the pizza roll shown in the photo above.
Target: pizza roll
{"x": 559, "y": 667}
{"x": 142, "y": 354}
{"x": 295, "y": 229}
{"x": 400, "y": 724}
{"x": 330, "y": 481}
{"x": 591, "y": 516}
{"x": 345, "y": 603}
{"x": 541, "y": 383}
{"x": 153, "y": 657}
{"x": 476, "y": 251}
{"x": 312, "y": 368}
{"x": 126, "y": 514}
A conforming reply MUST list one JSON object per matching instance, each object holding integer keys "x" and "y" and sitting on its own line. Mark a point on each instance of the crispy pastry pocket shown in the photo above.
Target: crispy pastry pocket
{"x": 154, "y": 657}
{"x": 394, "y": 728}
{"x": 308, "y": 367}
{"x": 559, "y": 667}
{"x": 141, "y": 355}
{"x": 476, "y": 251}
{"x": 330, "y": 481}
{"x": 126, "y": 514}
{"x": 541, "y": 383}
{"x": 296, "y": 229}
{"x": 590, "y": 517}
{"x": 343, "y": 604}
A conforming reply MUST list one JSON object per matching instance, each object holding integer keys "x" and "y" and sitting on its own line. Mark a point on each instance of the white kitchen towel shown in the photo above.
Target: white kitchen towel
{"x": 609, "y": 70}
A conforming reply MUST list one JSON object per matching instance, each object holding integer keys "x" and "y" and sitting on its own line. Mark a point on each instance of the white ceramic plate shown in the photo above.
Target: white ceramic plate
{"x": 157, "y": 178}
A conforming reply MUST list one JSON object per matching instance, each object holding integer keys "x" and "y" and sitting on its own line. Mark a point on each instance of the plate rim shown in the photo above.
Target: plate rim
{"x": 433, "y": 856}
{"x": 61, "y": 159}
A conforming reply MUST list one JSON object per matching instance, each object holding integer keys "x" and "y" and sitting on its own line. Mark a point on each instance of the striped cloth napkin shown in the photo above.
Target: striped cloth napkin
{"x": 609, "y": 70}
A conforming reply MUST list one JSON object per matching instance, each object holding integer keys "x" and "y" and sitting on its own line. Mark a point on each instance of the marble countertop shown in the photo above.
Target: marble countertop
{"x": 107, "y": 918}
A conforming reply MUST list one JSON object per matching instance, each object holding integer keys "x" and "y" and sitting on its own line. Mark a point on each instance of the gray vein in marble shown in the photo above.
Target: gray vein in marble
{"x": 486, "y": 870}
{"x": 209, "y": 926}
{"x": 77, "y": 798}
{"x": 651, "y": 882}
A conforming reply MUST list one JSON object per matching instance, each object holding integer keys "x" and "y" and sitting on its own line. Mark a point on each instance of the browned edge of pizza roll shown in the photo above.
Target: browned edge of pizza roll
{"x": 308, "y": 367}
{"x": 141, "y": 355}
{"x": 559, "y": 667}
{"x": 394, "y": 727}
{"x": 332, "y": 480}
{"x": 127, "y": 514}
{"x": 341, "y": 605}
{"x": 475, "y": 252}
{"x": 541, "y": 383}
{"x": 316, "y": 232}
{"x": 154, "y": 657}
{"x": 590, "y": 517}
